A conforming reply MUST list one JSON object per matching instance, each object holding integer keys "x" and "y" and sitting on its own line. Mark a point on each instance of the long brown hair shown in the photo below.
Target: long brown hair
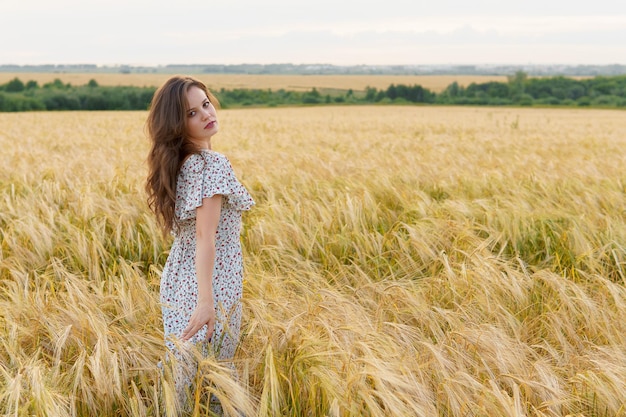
{"x": 167, "y": 129}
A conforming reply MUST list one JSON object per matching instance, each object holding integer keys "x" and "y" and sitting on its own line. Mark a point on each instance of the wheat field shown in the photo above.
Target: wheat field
{"x": 400, "y": 261}
{"x": 436, "y": 83}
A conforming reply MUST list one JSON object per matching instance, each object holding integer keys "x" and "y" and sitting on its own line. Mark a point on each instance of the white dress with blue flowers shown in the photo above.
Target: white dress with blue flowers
{"x": 204, "y": 175}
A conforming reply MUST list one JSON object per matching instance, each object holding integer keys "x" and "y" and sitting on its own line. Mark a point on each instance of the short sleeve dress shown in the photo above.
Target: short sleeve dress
{"x": 204, "y": 175}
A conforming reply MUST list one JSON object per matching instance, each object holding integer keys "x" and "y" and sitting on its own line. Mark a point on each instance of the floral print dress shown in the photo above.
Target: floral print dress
{"x": 204, "y": 175}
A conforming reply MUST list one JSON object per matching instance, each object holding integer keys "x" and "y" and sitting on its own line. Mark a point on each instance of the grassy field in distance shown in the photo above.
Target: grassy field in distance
{"x": 435, "y": 83}
{"x": 400, "y": 260}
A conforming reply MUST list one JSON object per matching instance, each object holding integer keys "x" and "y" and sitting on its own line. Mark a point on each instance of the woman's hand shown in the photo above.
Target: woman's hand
{"x": 203, "y": 314}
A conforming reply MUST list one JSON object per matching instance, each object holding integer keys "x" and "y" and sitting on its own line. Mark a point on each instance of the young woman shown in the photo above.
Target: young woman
{"x": 195, "y": 195}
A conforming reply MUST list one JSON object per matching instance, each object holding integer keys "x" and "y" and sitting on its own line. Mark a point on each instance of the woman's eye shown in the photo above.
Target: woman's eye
{"x": 191, "y": 113}
{"x": 206, "y": 103}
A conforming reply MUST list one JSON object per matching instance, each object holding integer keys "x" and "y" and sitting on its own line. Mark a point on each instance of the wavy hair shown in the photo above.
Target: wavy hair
{"x": 166, "y": 127}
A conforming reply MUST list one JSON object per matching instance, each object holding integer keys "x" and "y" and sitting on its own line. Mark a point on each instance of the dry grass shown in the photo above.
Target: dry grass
{"x": 400, "y": 261}
{"x": 435, "y": 83}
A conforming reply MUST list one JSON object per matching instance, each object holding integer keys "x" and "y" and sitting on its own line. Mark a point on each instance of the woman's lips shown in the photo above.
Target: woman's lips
{"x": 210, "y": 125}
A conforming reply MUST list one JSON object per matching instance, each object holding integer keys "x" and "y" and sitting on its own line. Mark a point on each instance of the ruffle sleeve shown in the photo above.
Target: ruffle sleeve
{"x": 205, "y": 175}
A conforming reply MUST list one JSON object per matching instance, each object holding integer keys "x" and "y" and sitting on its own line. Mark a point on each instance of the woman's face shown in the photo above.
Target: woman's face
{"x": 201, "y": 118}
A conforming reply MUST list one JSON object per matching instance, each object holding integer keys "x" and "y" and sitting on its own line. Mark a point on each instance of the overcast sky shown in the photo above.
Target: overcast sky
{"x": 157, "y": 32}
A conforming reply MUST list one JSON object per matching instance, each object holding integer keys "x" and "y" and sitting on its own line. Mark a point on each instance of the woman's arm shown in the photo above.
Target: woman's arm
{"x": 207, "y": 219}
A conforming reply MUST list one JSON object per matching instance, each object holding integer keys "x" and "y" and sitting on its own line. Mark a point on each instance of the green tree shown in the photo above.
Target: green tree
{"x": 14, "y": 86}
{"x": 57, "y": 83}
{"x": 517, "y": 83}
{"x": 392, "y": 91}
{"x": 311, "y": 97}
{"x": 453, "y": 90}
{"x": 370, "y": 93}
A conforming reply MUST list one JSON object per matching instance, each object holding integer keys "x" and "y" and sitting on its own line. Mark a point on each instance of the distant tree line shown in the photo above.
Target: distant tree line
{"x": 521, "y": 90}
{"x": 328, "y": 69}
{"x": 19, "y": 96}
{"x": 518, "y": 90}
